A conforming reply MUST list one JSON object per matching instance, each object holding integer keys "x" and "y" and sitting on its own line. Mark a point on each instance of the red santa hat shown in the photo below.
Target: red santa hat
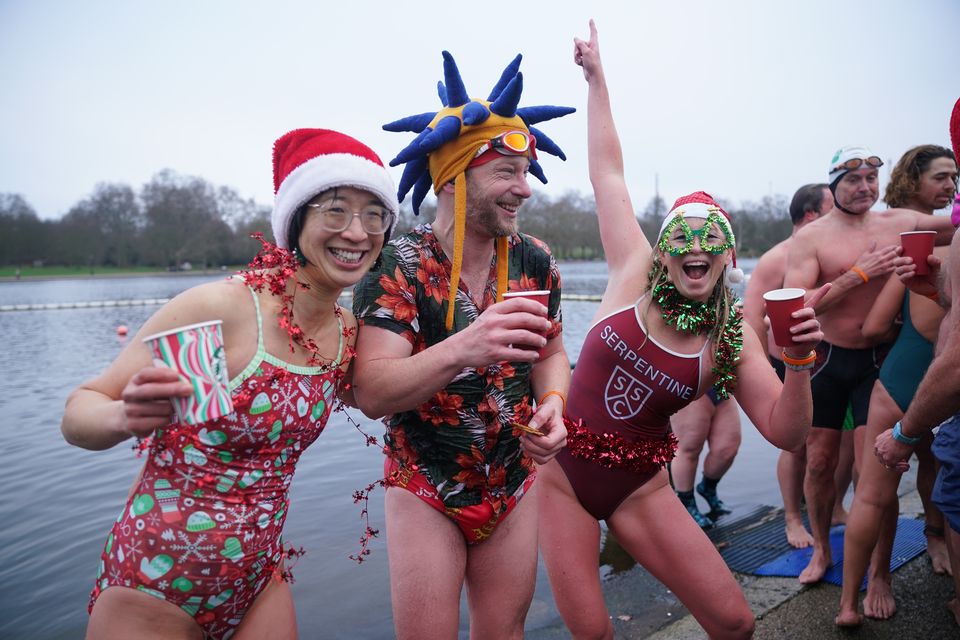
{"x": 701, "y": 204}
{"x": 307, "y": 162}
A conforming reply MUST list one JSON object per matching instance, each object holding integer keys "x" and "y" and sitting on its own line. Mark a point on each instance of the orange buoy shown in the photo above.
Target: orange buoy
{"x": 122, "y": 330}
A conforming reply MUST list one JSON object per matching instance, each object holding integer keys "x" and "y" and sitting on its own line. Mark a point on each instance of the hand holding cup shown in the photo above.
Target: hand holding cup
{"x": 540, "y": 296}
{"x": 196, "y": 353}
{"x": 794, "y": 323}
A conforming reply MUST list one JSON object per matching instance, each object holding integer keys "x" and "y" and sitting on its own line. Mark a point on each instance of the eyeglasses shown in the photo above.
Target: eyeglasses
{"x": 715, "y": 236}
{"x": 334, "y": 217}
{"x": 511, "y": 143}
{"x": 873, "y": 162}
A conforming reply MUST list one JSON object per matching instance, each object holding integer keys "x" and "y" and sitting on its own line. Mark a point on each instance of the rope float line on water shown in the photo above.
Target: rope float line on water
{"x": 140, "y": 302}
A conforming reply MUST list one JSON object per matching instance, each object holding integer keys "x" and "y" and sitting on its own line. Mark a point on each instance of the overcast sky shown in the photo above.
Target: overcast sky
{"x": 742, "y": 99}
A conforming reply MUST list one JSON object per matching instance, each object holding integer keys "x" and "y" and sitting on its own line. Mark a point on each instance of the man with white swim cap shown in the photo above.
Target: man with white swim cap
{"x": 854, "y": 248}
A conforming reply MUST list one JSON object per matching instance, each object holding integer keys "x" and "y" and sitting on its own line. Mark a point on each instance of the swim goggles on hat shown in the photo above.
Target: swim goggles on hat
{"x": 678, "y": 237}
{"x": 874, "y": 162}
{"x": 511, "y": 143}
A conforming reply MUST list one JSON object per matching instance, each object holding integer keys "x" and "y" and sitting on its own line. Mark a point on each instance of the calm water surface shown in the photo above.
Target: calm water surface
{"x": 59, "y": 501}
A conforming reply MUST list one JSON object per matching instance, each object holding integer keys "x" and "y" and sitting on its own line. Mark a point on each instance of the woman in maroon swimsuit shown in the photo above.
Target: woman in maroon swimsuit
{"x": 666, "y": 330}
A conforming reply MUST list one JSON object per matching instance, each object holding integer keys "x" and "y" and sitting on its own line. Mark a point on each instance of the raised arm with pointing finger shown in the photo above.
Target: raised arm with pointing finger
{"x": 667, "y": 329}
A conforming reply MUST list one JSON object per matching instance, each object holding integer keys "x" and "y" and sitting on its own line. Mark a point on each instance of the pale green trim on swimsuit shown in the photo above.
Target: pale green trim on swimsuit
{"x": 262, "y": 356}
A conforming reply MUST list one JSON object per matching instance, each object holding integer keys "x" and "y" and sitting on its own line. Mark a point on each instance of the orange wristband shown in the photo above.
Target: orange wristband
{"x": 799, "y": 362}
{"x": 559, "y": 394}
{"x": 857, "y": 270}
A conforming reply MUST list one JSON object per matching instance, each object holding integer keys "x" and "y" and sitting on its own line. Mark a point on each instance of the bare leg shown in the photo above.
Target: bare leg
{"x": 121, "y": 613}
{"x": 502, "y": 572}
{"x": 691, "y": 425}
{"x": 723, "y": 439}
{"x": 843, "y": 476}
{"x": 570, "y": 544}
{"x": 926, "y": 476}
{"x": 873, "y": 502}
{"x": 427, "y": 555}
{"x": 724, "y": 442}
{"x": 822, "y": 453}
{"x": 272, "y": 615}
{"x": 651, "y": 526}
{"x": 953, "y": 548}
{"x": 790, "y": 471}
{"x": 879, "y": 602}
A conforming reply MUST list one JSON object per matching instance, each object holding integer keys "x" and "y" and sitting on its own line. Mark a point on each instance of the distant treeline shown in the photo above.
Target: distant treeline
{"x": 175, "y": 220}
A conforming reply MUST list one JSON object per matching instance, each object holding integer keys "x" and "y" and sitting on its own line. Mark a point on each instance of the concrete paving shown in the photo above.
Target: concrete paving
{"x": 642, "y": 608}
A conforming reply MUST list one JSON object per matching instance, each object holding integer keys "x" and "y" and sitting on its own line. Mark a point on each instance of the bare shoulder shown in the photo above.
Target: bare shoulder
{"x": 811, "y": 234}
{"x": 903, "y": 219}
{"x": 774, "y": 257}
{"x": 224, "y": 300}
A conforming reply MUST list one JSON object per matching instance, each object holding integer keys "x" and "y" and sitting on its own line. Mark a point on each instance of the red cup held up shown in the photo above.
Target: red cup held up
{"x": 781, "y": 303}
{"x": 918, "y": 245}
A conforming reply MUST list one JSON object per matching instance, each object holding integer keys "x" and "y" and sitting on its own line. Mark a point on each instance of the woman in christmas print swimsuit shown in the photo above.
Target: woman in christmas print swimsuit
{"x": 196, "y": 551}
{"x": 666, "y": 330}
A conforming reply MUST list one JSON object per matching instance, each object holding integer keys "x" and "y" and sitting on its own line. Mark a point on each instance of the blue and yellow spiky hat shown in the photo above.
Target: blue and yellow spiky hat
{"x": 447, "y": 141}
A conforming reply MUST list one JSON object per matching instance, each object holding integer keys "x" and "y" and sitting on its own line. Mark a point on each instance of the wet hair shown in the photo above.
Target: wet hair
{"x": 905, "y": 177}
{"x": 808, "y": 198}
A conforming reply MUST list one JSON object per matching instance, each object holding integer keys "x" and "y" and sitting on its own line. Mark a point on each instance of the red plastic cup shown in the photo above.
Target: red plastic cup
{"x": 542, "y": 296}
{"x": 918, "y": 245}
{"x": 781, "y": 303}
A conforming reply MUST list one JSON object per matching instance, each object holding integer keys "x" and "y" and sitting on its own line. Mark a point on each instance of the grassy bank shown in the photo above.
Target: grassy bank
{"x": 87, "y": 272}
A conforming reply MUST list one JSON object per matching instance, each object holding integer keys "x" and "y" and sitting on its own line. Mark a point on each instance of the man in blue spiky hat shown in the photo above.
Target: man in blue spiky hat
{"x": 464, "y": 377}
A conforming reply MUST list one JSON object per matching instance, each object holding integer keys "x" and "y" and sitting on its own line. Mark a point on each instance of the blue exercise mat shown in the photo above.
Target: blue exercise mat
{"x": 908, "y": 544}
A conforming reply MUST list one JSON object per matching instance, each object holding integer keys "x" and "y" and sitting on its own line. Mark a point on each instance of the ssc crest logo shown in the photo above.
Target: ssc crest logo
{"x": 625, "y": 395}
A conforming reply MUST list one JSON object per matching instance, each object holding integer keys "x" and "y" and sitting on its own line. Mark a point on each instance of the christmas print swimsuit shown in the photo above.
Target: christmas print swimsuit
{"x": 202, "y": 528}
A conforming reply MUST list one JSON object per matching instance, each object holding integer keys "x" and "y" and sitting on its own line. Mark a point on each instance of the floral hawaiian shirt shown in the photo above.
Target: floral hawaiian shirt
{"x": 461, "y": 438}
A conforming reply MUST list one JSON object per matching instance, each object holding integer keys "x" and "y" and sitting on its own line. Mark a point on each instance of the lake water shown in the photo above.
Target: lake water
{"x": 60, "y": 501}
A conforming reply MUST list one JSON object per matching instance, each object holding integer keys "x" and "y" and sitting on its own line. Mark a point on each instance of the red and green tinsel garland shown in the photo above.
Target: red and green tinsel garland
{"x": 613, "y": 451}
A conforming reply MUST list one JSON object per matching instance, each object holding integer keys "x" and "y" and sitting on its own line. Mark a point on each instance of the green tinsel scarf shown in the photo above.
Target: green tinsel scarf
{"x": 691, "y": 316}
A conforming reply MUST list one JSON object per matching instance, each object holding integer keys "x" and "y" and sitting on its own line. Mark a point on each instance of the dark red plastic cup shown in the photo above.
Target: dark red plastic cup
{"x": 918, "y": 245}
{"x": 542, "y": 296}
{"x": 781, "y": 303}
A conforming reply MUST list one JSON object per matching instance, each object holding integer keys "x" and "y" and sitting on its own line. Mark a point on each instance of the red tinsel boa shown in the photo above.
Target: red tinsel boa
{"x": 613, "y": 451}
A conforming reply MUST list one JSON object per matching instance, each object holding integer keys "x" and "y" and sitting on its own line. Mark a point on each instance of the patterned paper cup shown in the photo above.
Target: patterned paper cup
{"x": 781, "y": 303}
{"x": 196, "y": 353}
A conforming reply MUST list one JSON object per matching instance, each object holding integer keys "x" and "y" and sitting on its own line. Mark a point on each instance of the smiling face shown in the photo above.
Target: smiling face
{"x": 339, "y": 259}
{"x": 937, "y": 185}
{"x": 689, "y": 251}
{"x": 858, "y": 190}
{"x": 495, "y": 191}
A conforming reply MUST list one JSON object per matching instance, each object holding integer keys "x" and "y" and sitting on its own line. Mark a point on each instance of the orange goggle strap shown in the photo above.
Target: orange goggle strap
{"x": 502, "y": 267}
{"x": 459, "y": 230}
